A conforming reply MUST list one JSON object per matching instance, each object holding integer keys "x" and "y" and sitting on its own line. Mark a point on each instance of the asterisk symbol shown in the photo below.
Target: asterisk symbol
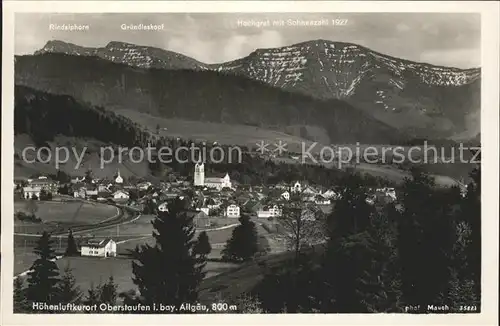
{"x": 262, "y": 147}
{"x": 280, "y": 147}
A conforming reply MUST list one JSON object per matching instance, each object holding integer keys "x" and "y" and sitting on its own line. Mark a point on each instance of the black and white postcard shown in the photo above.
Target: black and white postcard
{"x": 329, "y": 162}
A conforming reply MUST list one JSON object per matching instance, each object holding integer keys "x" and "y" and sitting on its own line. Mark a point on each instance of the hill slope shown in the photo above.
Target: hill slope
{"x": 42, "y": 119}
{"x": 197, "y": 95}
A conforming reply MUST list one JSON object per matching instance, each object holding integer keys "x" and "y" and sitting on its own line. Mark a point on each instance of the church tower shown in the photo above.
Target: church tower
{"x": 118, "y": 178}
{"x": 199, "y": 174}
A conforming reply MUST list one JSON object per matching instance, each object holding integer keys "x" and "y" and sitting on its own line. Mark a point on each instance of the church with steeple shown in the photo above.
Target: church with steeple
{"x": 118, "y": 178}
{"x": 218, "y": 182}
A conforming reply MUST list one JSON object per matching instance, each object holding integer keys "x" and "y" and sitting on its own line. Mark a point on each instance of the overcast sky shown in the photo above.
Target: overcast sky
{"x": 441, "y": 39}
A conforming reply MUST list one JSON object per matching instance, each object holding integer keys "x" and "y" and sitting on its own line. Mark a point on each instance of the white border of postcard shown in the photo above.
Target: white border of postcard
{"x": 489, "y": 137}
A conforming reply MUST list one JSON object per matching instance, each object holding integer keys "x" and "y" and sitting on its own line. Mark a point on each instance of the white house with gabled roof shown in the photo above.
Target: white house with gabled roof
{"x": 232, "y": 211}
{"x": 99, "y": 248}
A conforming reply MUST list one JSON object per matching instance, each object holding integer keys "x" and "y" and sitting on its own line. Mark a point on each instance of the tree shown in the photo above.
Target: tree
{"x": 88, "y": 176}
{"x": 202, "y": 246}
{"x": 45, "y": 195}
{"x": 62, "y": 177}
{"x": 93, "y": 295}
{"x": 72, "y": 248}
{"x": 169, "y": 272}
{"x": 43, "y": 276}
{"x": 20, "y": 304}
{"x": 352, "y": 212}
{"x": 301, "y": 224}
{"x": 243, "y": 244}
{"x": 294, "y": 285}
{"x": 356, "y": 265}
{"x": 69, "y": 292}
{"x": 426, "y": 236}
{"x": 108, "y": 292}
{"x": 471, "y": 215}
{"x": 462, "y": 290}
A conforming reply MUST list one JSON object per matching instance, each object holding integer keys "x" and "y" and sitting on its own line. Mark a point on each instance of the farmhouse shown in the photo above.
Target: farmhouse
{"x": 321, "y": 200}
{"x": 297, "y": 187}
{"x": 80, "y": 193}
{"x": 99, "y": 248}
{"x": 270, "y": 211}
{"x": 232, "y": 211}
{"x": 163, "y": 207}
{"x": 120, "y": 194}
{"x": 309, "y": 191}
{"x": 103, "y": 188}
{"x": 44, "y": 183}
{"x": 285, "y": 195}
{"x": 330, "y": 194}
{"x": 91, "y": 192}
{"x": 29, "y": 192}
{"x": 144, "y": 185}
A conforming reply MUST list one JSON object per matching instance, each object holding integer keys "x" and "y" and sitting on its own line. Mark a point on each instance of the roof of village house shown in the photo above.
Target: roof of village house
{"x": 100, "y": 243}
{"x": 30, "y": 188}
{"x": 42, "y": 181}
{"x": 217, "y": 175}
{"x": 213, "y": 180}
{"x": 269, "y": 206}
{"x": 121, "y": 191}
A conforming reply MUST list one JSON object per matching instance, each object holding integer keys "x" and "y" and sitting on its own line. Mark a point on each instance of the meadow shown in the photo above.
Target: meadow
{"x": 56, "y": 214}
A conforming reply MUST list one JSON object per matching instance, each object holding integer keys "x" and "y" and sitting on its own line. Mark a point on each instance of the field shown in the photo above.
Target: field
{"x": 89, "y": 270}
{"x": 229, "y": 134}
{"x": 62, "y": 214}
{"x": 129, "y": 235}
{"x": 119, "y": 268}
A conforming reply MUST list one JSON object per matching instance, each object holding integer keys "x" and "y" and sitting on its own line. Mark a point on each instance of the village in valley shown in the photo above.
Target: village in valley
{"x": 215, "y": 202}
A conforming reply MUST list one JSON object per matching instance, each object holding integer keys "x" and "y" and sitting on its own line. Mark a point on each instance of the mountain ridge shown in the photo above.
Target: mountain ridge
{"x": 197, "y": 95}
{"x": 49, "y": 47}
{"x": 418, "y": 98}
